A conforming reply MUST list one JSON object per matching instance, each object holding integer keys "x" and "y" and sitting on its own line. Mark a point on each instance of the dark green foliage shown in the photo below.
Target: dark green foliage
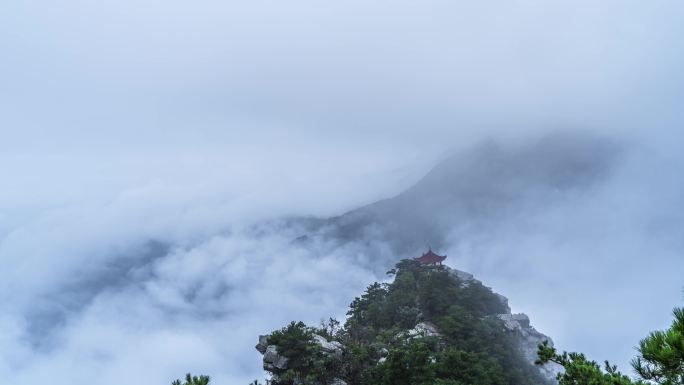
{"x": 474, "y": 348}
{"x": 328, "y": 329}
{"x": 661, "y": 354}
{"x": 578, "y": 370}
{"x": 407, "y": 365}
{"x": 660, "y": 361}
{"x": 470, "y": 368}
{"x": 366, "y": 314}
{"x": 295, "y": 341}
{"x": 305, "y": 361}
{"x": 356, "y": 363}
{"x": 193, "y": 380}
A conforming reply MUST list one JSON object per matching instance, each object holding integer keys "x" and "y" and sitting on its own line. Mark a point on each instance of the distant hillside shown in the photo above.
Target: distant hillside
{"x": 471, "y": 192}
{"x": 430, "y": 325}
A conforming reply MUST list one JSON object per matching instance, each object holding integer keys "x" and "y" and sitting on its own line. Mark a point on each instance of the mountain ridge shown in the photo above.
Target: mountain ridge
{"x": 470, "y": 194}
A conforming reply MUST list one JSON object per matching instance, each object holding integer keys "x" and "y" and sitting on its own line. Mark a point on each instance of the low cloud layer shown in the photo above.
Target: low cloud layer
{"x": 573, "y": 241}
{"x": 150, "y": 151}
{"x": 196, "y": 307}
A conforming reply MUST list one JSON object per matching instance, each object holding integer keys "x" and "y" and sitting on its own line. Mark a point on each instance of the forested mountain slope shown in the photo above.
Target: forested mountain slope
{"x": 430, "y": 325}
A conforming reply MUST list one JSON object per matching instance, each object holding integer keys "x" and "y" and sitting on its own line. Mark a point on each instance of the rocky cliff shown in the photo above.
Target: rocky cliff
{"x": 440, "y": 322}
{"x": 528, "y": 337}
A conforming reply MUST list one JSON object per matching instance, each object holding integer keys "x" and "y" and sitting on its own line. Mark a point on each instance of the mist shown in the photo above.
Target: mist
{"x": 159, "y": 158}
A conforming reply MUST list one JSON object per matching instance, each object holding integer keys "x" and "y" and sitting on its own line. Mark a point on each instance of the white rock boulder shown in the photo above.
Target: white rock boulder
{"x": 329, "y": 347}
{"x": 423, "y": 329}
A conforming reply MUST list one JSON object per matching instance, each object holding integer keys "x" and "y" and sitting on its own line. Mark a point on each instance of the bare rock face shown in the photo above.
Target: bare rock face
{"x": 274, "y": 362}
{"x": 529, "y": 340}
{"x": 504, "y": 302}
{"x": 466, "y": 278}
{"x": 519, "y": 324}
{"x": 262, "y": 345}
{"x": 515, "y": 322}
{"x": 329, "y": 347}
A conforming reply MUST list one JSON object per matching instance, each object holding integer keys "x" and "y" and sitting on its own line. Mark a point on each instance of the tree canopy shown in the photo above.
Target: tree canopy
{"x": 660, "y": 360}
{"x": 193, "y": 380}
{"x": 473, "y": 347}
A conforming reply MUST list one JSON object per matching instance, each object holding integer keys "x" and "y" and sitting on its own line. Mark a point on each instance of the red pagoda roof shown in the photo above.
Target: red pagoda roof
{"x": 430, "y": 257}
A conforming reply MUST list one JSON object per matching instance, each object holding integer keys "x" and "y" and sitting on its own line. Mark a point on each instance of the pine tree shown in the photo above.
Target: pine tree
{"x": 193, "y": 380}
{"x": 661, "y": 354}
{"x": 660, "y": 361}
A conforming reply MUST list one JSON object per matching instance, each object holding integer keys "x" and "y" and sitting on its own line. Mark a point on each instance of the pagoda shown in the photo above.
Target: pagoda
{"x": 430, "y": 258}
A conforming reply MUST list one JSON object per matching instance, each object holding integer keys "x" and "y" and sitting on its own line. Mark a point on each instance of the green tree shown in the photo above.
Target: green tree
{"x": 578, "y": 370}
{"x": 193, "y": 380}
{"x": 306, "y": 363}
{"x": 474, "y": 347}
{"x": 295, "y": 341}
{"x": 661, "y": 354}
{"x": 408, "y": 365}
{"x": 329, "y": 329}
{"x": 660, "y": 361}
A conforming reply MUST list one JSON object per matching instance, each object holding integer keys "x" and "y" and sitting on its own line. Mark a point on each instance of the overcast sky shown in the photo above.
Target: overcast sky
{"x": 141, "y": 140}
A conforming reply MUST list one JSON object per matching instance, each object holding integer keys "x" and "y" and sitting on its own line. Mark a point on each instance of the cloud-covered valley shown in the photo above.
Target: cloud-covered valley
{"x": 178, "y": 178}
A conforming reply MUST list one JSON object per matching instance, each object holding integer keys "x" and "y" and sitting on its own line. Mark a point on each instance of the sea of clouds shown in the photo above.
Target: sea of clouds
{"x": 148, "y": 150}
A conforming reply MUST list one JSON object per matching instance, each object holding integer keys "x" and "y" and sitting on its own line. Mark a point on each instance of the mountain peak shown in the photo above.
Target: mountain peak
{"x": 471, "y": 193}
{"x": 428, "y": 319}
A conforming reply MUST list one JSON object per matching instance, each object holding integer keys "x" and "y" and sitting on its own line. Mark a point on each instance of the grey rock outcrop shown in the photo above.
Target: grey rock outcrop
{"x": 529, "y": 340}
{"x": 464, "y": 277}
{"x": 504, "y": 302}
{"x": 329, "y": 347}
{"x": 274, "y": 362}
{"x": 262, "y": 345}
{"x": 519, "y": 324}
{"x": 515, "y": 322}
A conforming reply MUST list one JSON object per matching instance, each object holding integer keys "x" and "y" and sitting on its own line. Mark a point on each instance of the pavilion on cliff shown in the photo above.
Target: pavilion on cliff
{"x": 430, "y": 258}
